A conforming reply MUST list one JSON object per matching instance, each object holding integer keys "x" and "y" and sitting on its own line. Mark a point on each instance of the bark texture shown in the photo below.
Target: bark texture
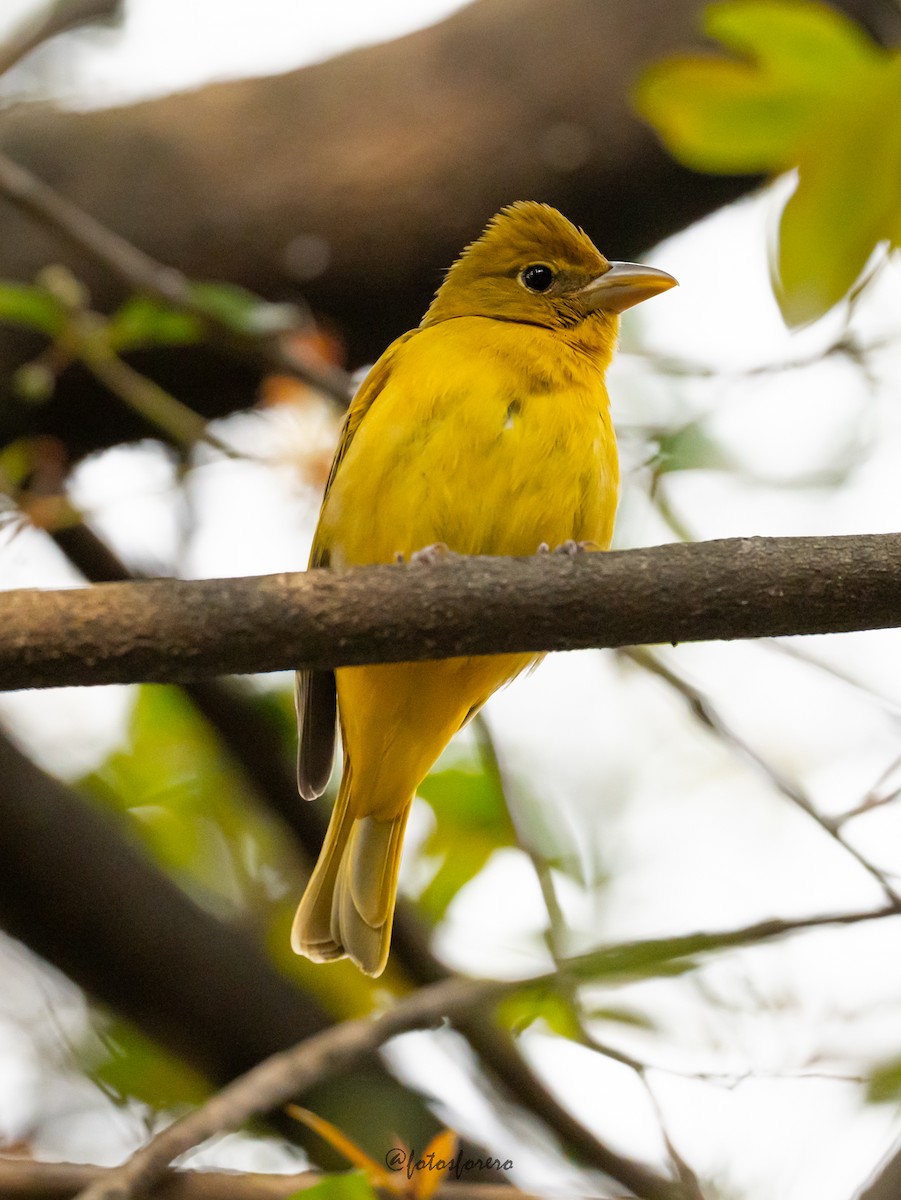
{"x": 177, "y": 630}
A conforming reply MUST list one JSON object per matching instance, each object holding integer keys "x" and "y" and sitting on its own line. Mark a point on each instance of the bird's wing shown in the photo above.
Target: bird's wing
{"x": 314, "y": 691}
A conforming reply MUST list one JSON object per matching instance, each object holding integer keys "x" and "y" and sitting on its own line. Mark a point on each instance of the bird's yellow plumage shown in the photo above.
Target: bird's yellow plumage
{"x": 486, "y": 430}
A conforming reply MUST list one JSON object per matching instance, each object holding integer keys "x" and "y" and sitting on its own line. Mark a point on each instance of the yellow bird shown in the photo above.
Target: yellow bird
{"x": 486, "y": 431}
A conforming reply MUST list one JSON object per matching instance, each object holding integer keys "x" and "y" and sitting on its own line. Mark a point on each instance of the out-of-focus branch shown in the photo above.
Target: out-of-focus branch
{"x": 274, "y": 1081}
{"x": 81, "y": 896}
{"x": 25, "y": 1179}
{"x": 228, "y": 182}
{"x": 886, "y": 1182}
{"x": 705, "y": 711}
{"x": 57, "y": 17}
{"x": 174, "y": 630}
{"x": 142, "y": 273}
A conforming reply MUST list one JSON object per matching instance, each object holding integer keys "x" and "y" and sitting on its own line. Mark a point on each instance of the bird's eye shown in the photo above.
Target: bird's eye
{"x": 537, "y": 278}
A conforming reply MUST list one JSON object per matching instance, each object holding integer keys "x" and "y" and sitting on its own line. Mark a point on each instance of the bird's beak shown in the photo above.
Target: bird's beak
{"x": 623, "y": 285}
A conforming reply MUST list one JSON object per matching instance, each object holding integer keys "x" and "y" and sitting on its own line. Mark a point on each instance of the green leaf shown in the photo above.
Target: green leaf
{"x": 143, "y": 321}
{"x": 691, "y": 448}
{"x": 137, "y": 1068}
{"x": 242, "y": 311}
{"x": 471, "y": 823}
{"x": 749, "y": 114}
{"x": 31, "y": 308}
{"x": 723, "y": 117}
{"x": 810, "y": 90}
{"x": 185, "y": 801}
{"x": 885, "y": 1083}
{"x": 796, "y": 40}
{"x": 848, "y": 198}
{"x": 620, "y": 1016}
{"x": 552, "y": 1007}
{"x": 351, "y": 1185}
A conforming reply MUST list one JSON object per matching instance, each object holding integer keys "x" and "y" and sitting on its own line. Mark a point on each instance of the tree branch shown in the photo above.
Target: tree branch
{"x": 85, "y": 899}
{"x": 144, "y": 274}
{"x": 275, "y": 1080}
{"x": 56, "y": 18}
{"x": 256, "y": 746}
{"x": 360, "y": 205}
{"x": 25, "y": 1179}
{"x": 177, "y": 630}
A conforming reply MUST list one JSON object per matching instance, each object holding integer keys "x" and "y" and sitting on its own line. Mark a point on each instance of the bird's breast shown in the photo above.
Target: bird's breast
{"x": 491, "y": 446}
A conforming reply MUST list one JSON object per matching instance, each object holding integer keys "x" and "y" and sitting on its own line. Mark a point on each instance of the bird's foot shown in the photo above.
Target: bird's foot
{"x": 437, "y": 552}
{"x": 569, "y": 547}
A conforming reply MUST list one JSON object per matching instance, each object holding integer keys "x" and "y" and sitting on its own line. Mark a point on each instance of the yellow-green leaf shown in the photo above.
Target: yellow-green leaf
{"x": 796, "y": 40}
{"x": 848, "y": 198}
{"x": 349, "y": 1186}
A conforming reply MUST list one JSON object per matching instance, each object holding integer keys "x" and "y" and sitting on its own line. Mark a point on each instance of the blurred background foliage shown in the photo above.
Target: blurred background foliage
{"x": 617, "y": 796}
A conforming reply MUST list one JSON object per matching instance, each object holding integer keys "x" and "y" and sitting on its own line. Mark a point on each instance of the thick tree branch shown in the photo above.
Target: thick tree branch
{"x": 356, "y": 181}
{"x": 138, "y": 271}
{"x": 80, "y": 895}
{"x": 176, "y": 630}
{"x": 255, "y": 745}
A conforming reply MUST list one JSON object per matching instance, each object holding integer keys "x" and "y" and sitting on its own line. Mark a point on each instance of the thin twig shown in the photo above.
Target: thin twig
{"x": 704, "y": 710}
{"x": 847, "y": 345}
{"x": 26, "y": 1179}
{"x": 494, "y": 768}
{"x": 277, "y": 1079}
{"x": 57, "y": 17}
{"x": 143, "y": 273}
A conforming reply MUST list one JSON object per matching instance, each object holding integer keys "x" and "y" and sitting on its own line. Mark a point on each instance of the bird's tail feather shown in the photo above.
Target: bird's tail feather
{"x": 348, "y": 906}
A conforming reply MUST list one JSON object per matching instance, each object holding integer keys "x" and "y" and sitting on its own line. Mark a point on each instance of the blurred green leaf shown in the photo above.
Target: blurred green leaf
{"x": 848, "y": 198}
{"x": 885, "y": 1083}
{"x": 137, "y": 1068}
{"x": 31, "y": 307}
{"x": 552, "y": 1007}
{"x": 143, "y": 321}
{"x": 351, "y": 1185}
{"x": 748, "y": 114}
{"x": 186, "y": 802}
{"x": 242, "y": 311}
{"x": 471, "y": 823}
{"x": 810, "y": 89}
{"x": 692, "y": 448}
{"x": 620, "y": 1016}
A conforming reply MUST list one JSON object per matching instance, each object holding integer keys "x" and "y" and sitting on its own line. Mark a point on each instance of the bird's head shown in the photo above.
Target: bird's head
{"x": 534, "y": 267}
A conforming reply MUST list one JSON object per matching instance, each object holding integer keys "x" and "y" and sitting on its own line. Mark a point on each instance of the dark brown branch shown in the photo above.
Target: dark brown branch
{"x": 143, "y": 274}
{"x": 381, "y": 164}
{"x": 80, "y": 895}
{"x": 176, "y": 630}
{"x": 255, "y": 745}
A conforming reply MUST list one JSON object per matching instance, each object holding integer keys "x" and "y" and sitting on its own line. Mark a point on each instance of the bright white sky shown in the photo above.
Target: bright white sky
{"x": 692, "y": 832}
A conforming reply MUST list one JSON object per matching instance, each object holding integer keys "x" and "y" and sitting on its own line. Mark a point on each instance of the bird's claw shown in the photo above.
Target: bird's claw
{"x": 437, "y": 552}
{"x": 569, "y": 547}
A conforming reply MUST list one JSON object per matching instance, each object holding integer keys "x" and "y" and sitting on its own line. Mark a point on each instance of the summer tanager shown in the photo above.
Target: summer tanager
{"x": 486, "y": 431}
